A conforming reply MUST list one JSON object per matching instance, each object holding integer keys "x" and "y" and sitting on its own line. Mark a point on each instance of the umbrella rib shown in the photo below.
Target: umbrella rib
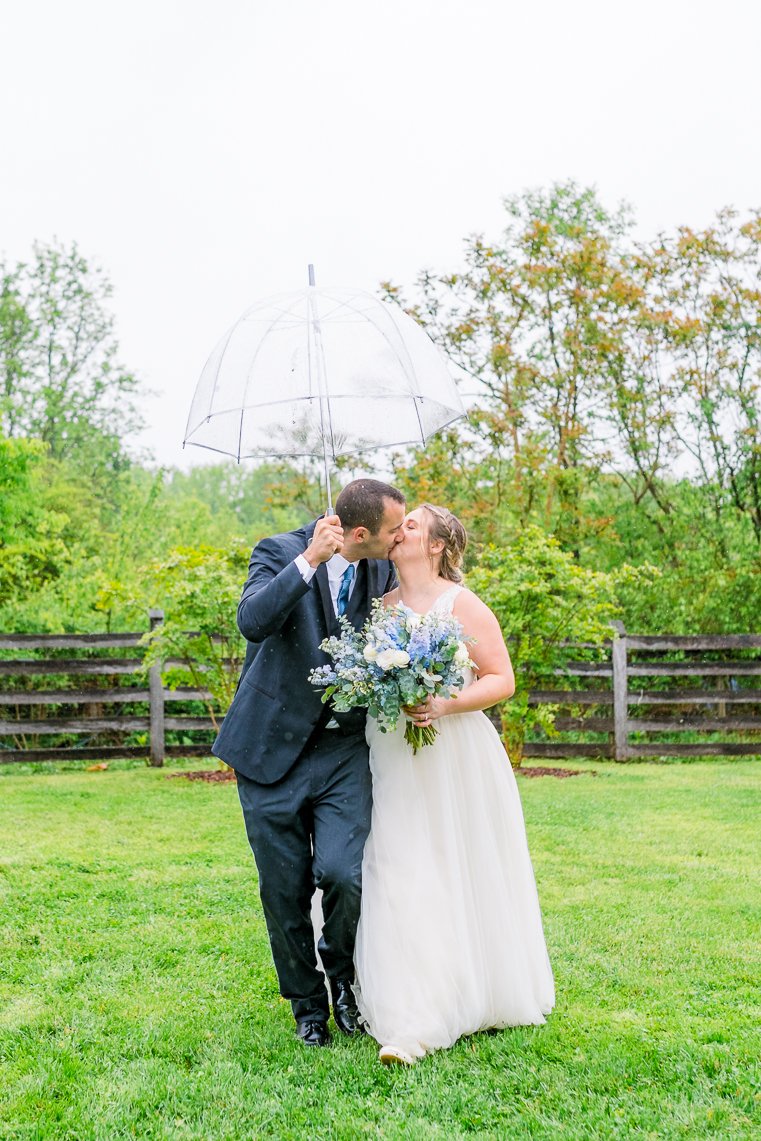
{"x": 276, "y": 302}
{"x": 262, "y": 339}
{"x": 230, "y": 332}
{"x": 309, "y": 350}
{"x": 394, "y": 443}
{"x": 314, "y": 330}
{"x": 396, "y": 374}
{"x": 297, "y": 320}
{"x": 300, "y": 399}
{"x": 409, "y": 368}
{"x": 338, "y": 304}
{"x": 262, "y": 453}
{"x": 406, "y": 365}
{"x": 405, "y": 362}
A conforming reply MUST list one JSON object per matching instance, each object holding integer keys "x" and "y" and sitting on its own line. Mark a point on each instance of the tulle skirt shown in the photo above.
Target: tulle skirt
{"x": 450, "y": 939}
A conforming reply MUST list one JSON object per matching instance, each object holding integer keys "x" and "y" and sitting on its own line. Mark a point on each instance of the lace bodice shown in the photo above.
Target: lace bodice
{"x": 444, "y": 604}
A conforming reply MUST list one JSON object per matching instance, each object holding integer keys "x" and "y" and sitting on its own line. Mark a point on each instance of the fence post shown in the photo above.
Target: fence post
{"x": 156, "y": 691}
{"x": 620, "y": 694}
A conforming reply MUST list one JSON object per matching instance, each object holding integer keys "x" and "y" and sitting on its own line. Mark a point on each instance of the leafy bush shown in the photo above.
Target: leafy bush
{"x": 200, "y": 588}
{"x": 543, "y": 598}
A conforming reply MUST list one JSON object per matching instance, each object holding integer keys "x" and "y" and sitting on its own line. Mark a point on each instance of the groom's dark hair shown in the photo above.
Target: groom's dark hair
{"x": 362, "y": 502}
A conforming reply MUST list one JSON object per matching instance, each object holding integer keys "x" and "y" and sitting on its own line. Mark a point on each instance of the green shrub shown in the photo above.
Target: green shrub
{"x": 200, "y": 588}
{"x": 543, "y": 598}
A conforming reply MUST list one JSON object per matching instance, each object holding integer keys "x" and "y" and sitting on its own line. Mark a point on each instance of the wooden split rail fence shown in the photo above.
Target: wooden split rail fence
{"x": 76, "y": 696}
{"x": 656, "y": 687}
{"x": 107, "y": 703}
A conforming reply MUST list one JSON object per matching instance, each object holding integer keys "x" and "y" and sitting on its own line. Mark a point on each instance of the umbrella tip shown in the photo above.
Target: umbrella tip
{"x": 310, "y": 270}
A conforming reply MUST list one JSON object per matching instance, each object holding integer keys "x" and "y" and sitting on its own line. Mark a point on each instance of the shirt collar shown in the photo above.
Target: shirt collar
{"x": 337, "y": 564}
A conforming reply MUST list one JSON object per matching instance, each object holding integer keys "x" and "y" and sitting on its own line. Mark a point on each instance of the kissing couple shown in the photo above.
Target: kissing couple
{"x": 431, "y": 927}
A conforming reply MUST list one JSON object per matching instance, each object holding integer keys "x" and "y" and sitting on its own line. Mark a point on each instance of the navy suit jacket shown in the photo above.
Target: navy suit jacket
{"x": 275, "y": 710}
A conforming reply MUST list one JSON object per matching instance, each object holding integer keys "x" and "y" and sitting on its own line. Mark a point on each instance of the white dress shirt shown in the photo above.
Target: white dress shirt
{"x": 336, "y": 568}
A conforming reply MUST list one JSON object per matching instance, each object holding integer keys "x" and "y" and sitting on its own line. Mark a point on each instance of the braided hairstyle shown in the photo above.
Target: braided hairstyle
{"x": 443, "y": 525}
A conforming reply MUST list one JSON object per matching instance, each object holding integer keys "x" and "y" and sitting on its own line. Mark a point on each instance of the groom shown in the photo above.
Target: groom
{"x": 303, "y": 771}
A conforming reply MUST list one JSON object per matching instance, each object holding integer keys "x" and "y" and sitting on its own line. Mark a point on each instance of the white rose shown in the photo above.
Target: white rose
{"x": 401, "y": 658}
{"x": 413, "y": 620}
{"x": 462, "y": 657}
{"x": 385, "y": 659}
{"x": 370, "y": 653}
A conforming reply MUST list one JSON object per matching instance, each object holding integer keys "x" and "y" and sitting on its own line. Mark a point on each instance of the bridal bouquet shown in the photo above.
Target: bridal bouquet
{"x": 398, "y": 659}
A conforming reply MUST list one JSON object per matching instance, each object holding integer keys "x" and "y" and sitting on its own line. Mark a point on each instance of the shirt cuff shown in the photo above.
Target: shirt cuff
{"x": 305, "y": 570}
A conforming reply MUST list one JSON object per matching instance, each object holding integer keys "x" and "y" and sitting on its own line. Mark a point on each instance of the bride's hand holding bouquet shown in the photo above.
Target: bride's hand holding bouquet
{"x": 396, "y": 665}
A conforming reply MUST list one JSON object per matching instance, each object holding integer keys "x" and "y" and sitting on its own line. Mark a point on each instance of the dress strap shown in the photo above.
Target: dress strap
{"x": 445, "y": 602}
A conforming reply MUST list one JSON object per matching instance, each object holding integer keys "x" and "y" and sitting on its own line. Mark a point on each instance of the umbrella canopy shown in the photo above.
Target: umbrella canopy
{"x": 321, "y": 372}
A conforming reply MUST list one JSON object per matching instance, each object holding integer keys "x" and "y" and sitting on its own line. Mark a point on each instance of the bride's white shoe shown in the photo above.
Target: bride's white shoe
{"x": 393, "y": 1056}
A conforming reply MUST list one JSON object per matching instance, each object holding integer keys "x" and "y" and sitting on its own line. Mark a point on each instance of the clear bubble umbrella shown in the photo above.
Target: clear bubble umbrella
{"x": 324, "y": 373}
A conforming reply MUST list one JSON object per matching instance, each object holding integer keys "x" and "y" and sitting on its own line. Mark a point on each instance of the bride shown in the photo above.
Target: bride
{"x": 450, "y": 937}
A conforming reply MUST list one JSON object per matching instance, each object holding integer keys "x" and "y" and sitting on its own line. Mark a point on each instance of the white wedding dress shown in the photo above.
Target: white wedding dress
{"x": 450, "y": 938}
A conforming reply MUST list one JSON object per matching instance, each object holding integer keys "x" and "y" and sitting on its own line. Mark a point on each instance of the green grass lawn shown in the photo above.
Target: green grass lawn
{"x": 137, "y": 998}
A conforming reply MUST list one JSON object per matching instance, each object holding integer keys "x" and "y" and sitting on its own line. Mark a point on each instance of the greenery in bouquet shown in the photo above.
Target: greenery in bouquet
{"x": 398, "y": 660}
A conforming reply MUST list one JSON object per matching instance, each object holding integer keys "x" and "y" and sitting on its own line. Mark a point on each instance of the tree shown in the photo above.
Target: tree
{"x": 16, "y": 337}
{"x": 706, "y": 286}
{"x": 61, "y": 380}
{"x": 532, "y": 321}
{"x": 252, "y": 500}
{"x": 32, "y": 547}
{"x": 615, "y": 396}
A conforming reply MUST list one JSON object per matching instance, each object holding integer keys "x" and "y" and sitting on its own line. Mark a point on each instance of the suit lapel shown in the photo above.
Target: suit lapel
{"x": 323, "y": 586}
{"x": 367, "y": 587}
{"x": 377, "y": 579}
{"x": 372, "y": 581}
{"x": 357, "y": 609}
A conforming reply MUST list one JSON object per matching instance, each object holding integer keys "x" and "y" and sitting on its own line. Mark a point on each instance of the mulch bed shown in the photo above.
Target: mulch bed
{"x": 213, "y": 776}
{"x": 541, "y": 771}
{"x": 220, "y": 776}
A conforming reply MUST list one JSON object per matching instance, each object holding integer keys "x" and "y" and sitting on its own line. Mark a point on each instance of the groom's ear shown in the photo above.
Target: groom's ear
{"x": 359, "y": 534}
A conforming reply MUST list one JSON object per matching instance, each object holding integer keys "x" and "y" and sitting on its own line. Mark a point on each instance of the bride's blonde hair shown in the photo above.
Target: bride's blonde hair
{"x": 447, "y": 527}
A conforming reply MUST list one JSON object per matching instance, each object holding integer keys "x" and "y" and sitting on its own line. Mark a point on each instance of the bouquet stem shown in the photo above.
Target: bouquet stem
{"x": 419, "y": 735}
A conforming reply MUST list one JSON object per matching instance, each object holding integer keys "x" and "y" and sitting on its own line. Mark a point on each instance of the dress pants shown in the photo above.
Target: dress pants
{"x": 308, "y": 831}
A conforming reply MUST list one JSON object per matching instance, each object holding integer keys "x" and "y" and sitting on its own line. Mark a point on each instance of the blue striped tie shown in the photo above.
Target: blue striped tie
{"x": 343, "y": 594}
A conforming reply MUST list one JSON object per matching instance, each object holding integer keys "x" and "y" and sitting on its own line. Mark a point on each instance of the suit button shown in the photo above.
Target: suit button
{"x": 288, "y": 736}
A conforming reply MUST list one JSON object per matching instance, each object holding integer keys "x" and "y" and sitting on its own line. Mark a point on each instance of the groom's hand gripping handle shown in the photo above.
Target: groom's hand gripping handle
{"x": 274, "y": 586}
{"x": 328, "y": 538}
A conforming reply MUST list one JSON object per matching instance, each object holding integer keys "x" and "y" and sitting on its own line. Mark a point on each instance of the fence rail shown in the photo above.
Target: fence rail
{"x": 639, "y": 710}
{"x": 616, "y": 699}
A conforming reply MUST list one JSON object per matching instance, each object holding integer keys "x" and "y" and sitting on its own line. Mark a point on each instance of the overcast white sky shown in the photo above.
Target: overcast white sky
{"x": 203, "y": 153}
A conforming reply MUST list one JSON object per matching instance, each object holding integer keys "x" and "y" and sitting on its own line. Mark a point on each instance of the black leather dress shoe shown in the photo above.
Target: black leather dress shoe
{"x": 345, "y": 1011}
{"x": 313, "y": 1033}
